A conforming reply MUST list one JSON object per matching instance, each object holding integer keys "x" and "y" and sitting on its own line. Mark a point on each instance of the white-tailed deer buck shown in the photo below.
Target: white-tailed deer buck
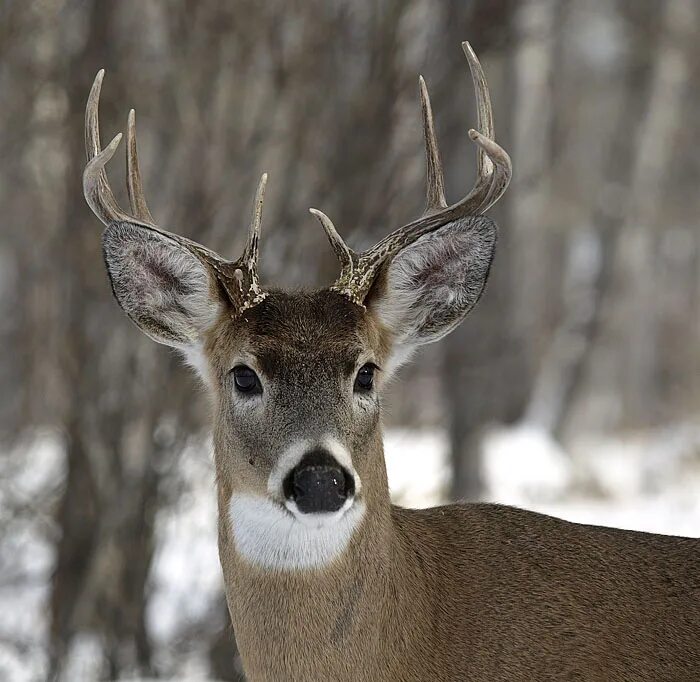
{"x": 325, "y": 578}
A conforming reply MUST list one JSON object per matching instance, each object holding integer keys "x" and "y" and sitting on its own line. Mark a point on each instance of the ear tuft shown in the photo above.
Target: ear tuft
{"x": 431, "y": 285}
{"x": 160, "y": 285}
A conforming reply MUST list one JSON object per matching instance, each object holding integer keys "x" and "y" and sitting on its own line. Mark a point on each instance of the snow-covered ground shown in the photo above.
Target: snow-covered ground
{"x": 648, "y": 481}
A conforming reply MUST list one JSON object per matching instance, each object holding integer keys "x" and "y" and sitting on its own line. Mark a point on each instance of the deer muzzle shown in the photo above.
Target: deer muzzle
{"x": 318, "y": 484}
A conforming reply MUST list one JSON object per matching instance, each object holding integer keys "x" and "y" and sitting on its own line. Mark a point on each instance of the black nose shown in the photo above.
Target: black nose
{"x": 318, "y": 483}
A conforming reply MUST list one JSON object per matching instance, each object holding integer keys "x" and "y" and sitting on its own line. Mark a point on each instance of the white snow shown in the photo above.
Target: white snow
{"x": 29, "y": 477}
{"x": 185, "y": 576}
{"x": 645, "y": 481}
{"x": 417, "y": 466}
{"x": 524, "y": 466}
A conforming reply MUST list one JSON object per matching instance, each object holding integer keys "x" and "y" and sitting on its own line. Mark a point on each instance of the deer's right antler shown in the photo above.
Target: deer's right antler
{"x": 494, "y": 171}
{"x": 238, "y": 278}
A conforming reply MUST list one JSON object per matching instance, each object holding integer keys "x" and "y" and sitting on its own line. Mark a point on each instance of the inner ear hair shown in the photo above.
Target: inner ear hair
{"x": 160, "y": 285}
{"x": 428, "y": 288}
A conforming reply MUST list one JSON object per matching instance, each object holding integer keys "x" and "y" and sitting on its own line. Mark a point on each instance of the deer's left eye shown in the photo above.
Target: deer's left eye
{"x": 246, "y": 380}
{"x": 365, "y": 377}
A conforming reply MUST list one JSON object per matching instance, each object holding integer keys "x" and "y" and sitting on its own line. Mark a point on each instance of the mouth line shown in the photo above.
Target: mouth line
{"x": 318, "y": 519}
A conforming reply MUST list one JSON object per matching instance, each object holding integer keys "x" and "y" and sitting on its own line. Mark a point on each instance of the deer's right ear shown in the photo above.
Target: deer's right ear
{"x": 431, "y": 285}
{"x": 167, "y": 291}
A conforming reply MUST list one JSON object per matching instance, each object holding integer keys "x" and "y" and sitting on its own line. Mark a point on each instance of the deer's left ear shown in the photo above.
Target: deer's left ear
{"x": 165, "y": 290}
{"x": 430, "y": 286}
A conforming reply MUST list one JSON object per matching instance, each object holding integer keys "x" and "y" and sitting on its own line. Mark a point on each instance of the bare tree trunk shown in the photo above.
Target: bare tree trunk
{"x": 79, "y": 509}
{"x": 592, "y": 242}
{"x": 76, "y": 516}
{"x": 533, "y": 64}
{"x": 618, "y": 219}
{"x": 477, "y": 358}
{"x": 639, "y": 260}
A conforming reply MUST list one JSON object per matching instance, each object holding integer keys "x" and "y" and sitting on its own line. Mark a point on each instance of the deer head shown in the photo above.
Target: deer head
{"x": 297, "y": 376}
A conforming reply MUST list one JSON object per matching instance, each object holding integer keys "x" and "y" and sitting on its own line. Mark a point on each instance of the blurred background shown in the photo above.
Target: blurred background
{"x": 574, "y": 387}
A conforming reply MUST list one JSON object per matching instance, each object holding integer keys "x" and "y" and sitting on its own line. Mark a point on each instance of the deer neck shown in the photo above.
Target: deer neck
{"x": 332, "y": 609}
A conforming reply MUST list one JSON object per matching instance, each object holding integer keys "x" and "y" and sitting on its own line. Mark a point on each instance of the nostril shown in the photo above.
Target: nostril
{"x": 318, "y": 489}
{"x": 318, "y": 484}
{"x": 318, "y": 479}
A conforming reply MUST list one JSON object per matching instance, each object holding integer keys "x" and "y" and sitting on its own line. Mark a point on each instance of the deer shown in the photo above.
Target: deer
{"x": 325, "y": 579}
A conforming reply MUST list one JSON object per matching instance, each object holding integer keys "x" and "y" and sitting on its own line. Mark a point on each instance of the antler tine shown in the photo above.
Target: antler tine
{"x": 435, "y": 184}
{"x": 137, "y": 199}
{"x": 494, "y": 168}
{"x": 477, "y": 196}
{"x": 502, "y": 168}
{"x": 96, "y": 190}
{"x": 341, "y": 249}
{"x": 493, "y": 175}
{"x": 484, "y": 112}
{"x": 96, "y": 187}
{"x": 92, "y": 124}
{"x": 239, "y": 278}
{"x": 250, "y": 253}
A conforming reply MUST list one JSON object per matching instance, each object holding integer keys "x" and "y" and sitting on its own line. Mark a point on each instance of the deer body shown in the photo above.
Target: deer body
{"x": 504, "y": 602}
{"x": 325, "y": 579}
{"x": 463, "y": 592}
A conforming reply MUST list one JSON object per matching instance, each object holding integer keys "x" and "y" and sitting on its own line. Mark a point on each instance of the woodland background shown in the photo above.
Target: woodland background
{"x": 588, "y": 332}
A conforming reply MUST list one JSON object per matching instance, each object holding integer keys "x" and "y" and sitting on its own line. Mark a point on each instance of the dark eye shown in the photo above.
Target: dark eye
{"x": 246, "y": 380}
{"x": 365, "y": 377}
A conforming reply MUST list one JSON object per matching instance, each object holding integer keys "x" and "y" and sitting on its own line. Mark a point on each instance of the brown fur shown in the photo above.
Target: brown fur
{"x": 476, "y": 592}
{"x": 463, "y": 592}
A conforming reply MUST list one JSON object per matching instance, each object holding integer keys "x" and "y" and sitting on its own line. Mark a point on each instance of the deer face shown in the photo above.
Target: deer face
{"x": 298, "y": 406}
{"x": 297, "y": 376}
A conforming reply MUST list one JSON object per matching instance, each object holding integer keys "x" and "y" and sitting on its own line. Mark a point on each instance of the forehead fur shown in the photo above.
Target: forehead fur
{"x": 288, "y": 325}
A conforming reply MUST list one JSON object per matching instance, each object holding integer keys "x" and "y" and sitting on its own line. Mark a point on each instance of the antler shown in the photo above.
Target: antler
{"x": 493, "y": 175}
{"x": 238, "y": 278}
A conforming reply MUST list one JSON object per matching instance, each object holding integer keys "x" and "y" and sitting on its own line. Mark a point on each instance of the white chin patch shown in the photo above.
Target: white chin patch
{"x": 272, "y": 537}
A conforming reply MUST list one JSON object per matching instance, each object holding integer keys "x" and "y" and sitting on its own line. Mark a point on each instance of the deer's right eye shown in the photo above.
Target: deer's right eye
{"x": 246, "y": 380}
{"x": 365, "y": 377}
